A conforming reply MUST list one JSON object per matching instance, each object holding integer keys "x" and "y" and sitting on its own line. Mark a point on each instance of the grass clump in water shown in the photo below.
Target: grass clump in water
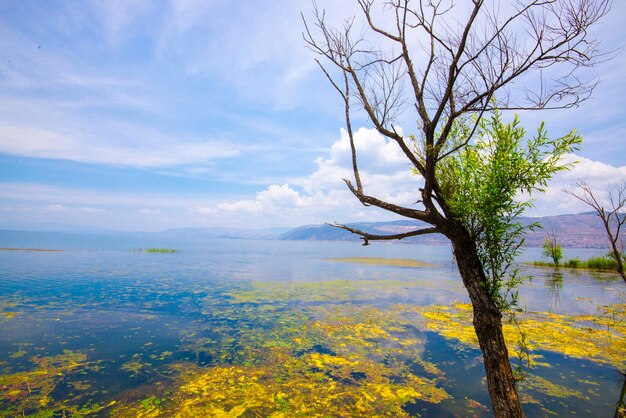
{"x": 380, "y": 261}
{"x": 594, "y": 263}
{"x": 155, "y": 250}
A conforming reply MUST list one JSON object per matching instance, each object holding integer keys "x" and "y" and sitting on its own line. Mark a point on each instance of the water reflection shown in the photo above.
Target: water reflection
{"x": 620, "y": 409}
{"x": 553, "y": 284}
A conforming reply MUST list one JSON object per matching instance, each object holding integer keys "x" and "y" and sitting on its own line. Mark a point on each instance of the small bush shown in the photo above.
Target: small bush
{"x": 601, "y": 263}
{"x": 573, "y": 263}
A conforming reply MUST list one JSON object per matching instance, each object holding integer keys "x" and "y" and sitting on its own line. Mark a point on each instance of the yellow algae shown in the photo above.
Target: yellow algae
{"x": 18, "y": 354}
{"x": 315, "y": 362}
{"x": 380, "y": 261}
{"x": 31, "y": 390}
{"x": 328, "y": 290}
{"x": 134, "y": 367}
{"x": 600, "y": 338}
{"x": 541, "y": 385}
{"x": 365, "y": 330}
{"x": 317, "y": 385}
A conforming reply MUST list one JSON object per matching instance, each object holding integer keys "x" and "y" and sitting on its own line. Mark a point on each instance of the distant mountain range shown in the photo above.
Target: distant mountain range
{"x": 583, "y": 230}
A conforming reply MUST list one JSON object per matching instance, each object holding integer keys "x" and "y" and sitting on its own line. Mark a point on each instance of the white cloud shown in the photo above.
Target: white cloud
{"x": 275, "y": 197}
{"x": 147, "y": 149}
{"x": 319, "y": 197}
{"x": 202, "y": 210}
{"x": 55, "y": 207}
{"x": 323, "y": 195}
{"x": 150, "y": 212}
{"x": 598, "y": 175}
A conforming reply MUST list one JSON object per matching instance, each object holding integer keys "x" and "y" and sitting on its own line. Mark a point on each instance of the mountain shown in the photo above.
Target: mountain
{"x": 582, "y": 230}
{"x": 329, "y": 233}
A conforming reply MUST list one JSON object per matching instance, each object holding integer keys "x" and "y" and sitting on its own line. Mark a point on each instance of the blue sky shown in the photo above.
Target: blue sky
{"x": 146, "y": 115}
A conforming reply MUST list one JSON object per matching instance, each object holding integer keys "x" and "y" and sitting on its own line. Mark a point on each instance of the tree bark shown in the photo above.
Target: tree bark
{"x": 616, "y": 252}
{"x": 488, "y": 326}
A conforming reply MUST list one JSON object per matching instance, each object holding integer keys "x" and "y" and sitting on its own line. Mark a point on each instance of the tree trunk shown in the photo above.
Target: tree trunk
{"x": 616, "y": 252}
{"x": 618, "y": 258}
{"x": 488, "y": 326}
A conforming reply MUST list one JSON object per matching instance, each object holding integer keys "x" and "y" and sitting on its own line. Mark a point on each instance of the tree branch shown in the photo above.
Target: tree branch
{"x": 366, "y": 236}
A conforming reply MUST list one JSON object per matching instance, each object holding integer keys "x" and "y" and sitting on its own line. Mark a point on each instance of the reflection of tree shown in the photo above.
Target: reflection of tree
{"x": 554, "y": 283}
{"x": 620, "y": 409}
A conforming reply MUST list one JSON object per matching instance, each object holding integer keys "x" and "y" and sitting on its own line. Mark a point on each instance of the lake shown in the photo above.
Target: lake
{"x": 282, "y": 328}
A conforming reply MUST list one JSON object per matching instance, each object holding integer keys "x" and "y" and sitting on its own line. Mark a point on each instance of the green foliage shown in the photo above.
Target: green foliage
{"x": 482, "y": 184}
{"x": 600, "y": 263}
{"x": 552, "y": 250}
{"x": 607, "y": 263}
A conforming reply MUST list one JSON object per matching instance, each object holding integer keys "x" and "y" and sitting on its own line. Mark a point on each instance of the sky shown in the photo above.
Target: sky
{"x": 150, "y": 115}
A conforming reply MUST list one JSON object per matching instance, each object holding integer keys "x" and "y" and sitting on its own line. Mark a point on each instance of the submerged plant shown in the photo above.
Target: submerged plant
{"x": 32, "y": 391}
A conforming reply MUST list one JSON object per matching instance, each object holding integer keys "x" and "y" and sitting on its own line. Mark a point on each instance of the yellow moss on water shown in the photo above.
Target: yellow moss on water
{"x": 600, "y": 338}
{"x": 544, "y": 386}
{"x": 325, "y": 361}
{"x": 315, "y": 386}
{"x": 380, "y": 261}
{"x": 18, "y": 354}
{"x": 28, "y": 390}
{"x": 348, "y": 360}
{"x": 329, "y": 290}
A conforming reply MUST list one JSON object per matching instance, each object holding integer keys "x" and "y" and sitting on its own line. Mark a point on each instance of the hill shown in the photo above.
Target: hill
{"x": 583, "y": 230}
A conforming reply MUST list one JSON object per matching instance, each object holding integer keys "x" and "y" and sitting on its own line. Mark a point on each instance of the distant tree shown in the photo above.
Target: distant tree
{"x": 613, "y": 217}
{"x": 447, "y": 62}
{"x": 551, "y": 247}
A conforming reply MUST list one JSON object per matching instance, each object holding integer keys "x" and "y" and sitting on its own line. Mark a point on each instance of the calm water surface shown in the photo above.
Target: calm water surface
{"x": 101, "y": 330}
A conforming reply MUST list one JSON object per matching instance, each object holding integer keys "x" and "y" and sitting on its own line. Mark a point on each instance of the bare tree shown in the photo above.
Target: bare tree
{"x": 613, "y": 218}
{"x": 448, "y": 63}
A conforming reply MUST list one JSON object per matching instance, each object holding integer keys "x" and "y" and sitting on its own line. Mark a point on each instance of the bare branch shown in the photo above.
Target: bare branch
{"x": 366, "y": 236}
{"x": 613, "y": 217}
{"x": 390, "y": 207}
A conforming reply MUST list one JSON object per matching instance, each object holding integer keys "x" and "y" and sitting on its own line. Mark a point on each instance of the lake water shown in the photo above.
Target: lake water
{"x": 275, "y": 328}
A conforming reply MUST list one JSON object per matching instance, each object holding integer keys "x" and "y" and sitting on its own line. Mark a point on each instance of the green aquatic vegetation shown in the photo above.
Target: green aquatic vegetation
{"x": 594, "y": 263}
{"x": 380, "y": 261}
{"x": 150, "y": 407}
{"x": 281, "y": 361}
{"x": 32, "y": 391}
{"x": 378, "y": 334}
{"x": 135, "y": 367}
{"x": 18, "y": 354}
{"x": 340, "y": 353}
{"x": 538, "y": 384}
{"x": 328, "y": 290}
{"x": 311, "y": 385}
{"x": 8, "y": 308}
